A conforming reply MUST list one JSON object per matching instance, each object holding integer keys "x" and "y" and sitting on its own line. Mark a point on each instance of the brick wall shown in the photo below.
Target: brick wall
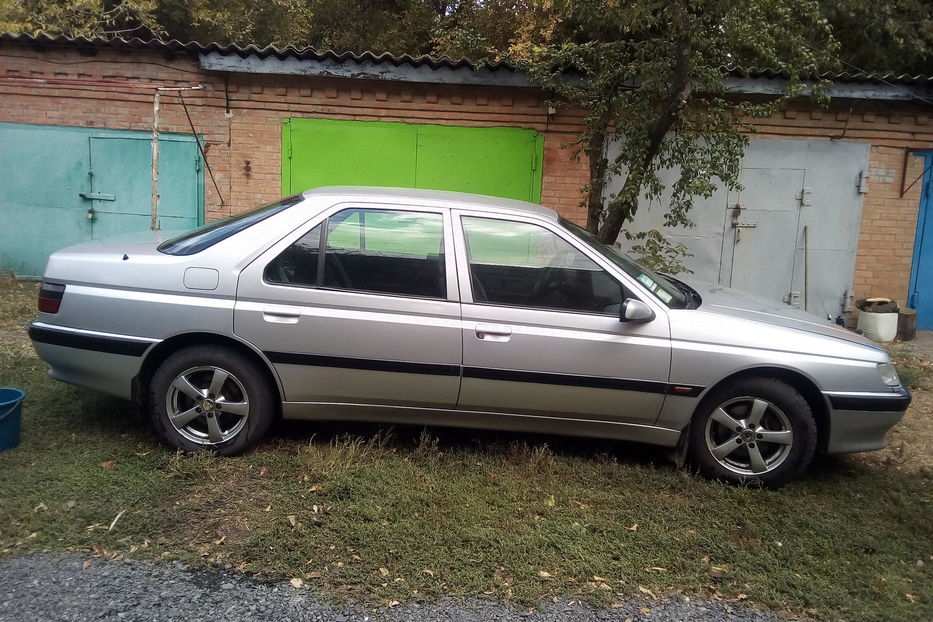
{"x": 240, "y": 120}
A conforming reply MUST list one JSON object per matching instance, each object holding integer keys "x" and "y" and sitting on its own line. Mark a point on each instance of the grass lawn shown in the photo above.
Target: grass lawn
{"x": 394, "y": 514}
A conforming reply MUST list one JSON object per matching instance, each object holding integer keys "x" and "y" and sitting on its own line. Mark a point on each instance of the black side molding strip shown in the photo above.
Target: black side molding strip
{"x": 895, "y": 403}
{"x": 346, "y": 362}
{"x": 485, "y": 373}
{"x": 126, "y": 346}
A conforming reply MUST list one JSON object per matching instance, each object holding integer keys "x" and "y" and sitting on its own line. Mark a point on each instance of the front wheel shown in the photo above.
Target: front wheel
{"x": 210, "y": 397}
{"x": 758, "y": 430}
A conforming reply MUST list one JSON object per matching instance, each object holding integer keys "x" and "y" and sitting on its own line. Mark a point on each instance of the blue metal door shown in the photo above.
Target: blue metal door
{"x": 66, "y": 185}
{"x": 121, "y": 184}
{"x": 921, "y": 273}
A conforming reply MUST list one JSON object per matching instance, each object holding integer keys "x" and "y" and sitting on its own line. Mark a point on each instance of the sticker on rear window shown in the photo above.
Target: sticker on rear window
{"x": 663, "y": 295}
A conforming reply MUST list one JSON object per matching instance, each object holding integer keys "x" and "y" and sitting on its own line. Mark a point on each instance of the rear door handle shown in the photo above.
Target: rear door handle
{"x": 493, "y": 332}
{"x": 281, "y": 315}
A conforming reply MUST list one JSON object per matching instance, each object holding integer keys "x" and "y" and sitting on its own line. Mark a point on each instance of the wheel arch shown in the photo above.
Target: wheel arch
{"x": 806, "y": 386}
{"x": 162, "y": 350}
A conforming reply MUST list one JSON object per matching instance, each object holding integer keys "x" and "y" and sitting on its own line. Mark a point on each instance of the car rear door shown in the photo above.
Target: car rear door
{"x": 359, "y": 307}
{"x": 541, "y": 329}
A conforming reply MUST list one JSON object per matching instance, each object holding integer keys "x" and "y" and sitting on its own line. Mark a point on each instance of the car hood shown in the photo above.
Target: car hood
{"x": 735, "y": 303}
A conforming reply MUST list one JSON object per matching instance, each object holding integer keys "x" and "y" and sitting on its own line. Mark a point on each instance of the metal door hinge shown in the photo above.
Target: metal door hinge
{"x": 793, "y": 299}
{"x": 863, "y": 182}
{"x": 804, "y": 197}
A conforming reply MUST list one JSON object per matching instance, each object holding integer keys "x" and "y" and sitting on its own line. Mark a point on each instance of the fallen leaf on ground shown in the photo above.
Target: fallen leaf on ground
{"x": 296, "y": 582}
{"x": 716, "y": 571}
{"x": 109, "y": 464}
{"x": 634, "y": 527}
{"x": 293, "y": 520}
{"x": 384, "y": 572}
{"x": 544, "y": 575}
{"x": 645, "y": 590}
{"x": 263, "y": 471}
{"x": 657, "y": 569}
{"x": 550, "y": 501}
{"x": 140, "y": 454}
{"x": 85, "y": 565}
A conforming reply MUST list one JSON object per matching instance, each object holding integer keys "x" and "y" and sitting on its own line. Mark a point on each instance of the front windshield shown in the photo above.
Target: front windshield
{"x": 663, "y": 289}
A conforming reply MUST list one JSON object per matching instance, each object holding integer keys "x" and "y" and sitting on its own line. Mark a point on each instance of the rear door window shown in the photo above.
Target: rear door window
{"x": 370, "y": 250}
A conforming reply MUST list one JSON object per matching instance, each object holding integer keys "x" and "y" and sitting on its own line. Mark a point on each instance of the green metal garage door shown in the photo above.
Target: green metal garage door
{"x": 498, "y": 161}
{"x": 65, "y": 185}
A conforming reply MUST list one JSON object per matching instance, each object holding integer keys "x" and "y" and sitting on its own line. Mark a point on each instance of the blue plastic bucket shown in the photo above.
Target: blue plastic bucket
{"x": 11, "y": 415}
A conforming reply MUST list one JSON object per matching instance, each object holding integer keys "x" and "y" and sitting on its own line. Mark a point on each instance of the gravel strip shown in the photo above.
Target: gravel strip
{"x": 60, "y": 587}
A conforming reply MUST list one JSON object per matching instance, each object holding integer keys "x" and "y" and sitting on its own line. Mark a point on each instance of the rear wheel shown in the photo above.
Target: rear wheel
{"x": 210, "y": 397}
{"x": 758, "y": 430}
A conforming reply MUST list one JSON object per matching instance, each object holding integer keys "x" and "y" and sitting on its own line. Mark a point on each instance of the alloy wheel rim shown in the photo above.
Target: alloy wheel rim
{"x": 749, "y": 436}
{"x": 207, "y": 405}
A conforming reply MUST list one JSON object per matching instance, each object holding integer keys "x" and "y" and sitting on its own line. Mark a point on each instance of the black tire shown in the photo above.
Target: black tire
{"x": 228, "y": 422}
{"x": 727, "y": 451}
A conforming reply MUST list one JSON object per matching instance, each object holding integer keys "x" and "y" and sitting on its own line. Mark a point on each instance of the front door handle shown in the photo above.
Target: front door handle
{"x": 281, "y": 315}
{"x": 493, "y": 332}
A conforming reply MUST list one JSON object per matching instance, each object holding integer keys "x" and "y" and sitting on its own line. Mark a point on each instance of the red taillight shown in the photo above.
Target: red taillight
{"x": 50, "y": 297}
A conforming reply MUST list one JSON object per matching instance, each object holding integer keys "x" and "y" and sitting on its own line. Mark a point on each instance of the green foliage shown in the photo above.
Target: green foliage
{"x": 652, "y": 76}
{"x": 883, "y": 37}
{"x": 75, "y": 18}
{"x": 655, "y": 251}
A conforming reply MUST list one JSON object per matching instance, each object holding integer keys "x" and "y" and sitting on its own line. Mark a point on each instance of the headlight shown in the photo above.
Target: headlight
{"x": 889, "y": 374}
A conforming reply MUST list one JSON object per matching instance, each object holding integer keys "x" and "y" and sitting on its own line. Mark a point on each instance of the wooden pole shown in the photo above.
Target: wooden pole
{"x": 154, "y": 204}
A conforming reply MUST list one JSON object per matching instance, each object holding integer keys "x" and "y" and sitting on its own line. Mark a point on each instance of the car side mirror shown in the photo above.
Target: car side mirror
{"x": 634, "y": 310}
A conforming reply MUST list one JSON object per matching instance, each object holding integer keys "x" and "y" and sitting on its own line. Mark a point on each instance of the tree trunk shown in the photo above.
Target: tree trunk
{"x": 596, "y": 154}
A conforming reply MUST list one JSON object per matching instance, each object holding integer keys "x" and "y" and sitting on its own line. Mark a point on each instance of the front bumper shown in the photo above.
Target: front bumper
{"x": 860, "y": 421}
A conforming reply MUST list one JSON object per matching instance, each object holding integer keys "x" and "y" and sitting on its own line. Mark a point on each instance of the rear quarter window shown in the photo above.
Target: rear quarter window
{"x": 207, "y": 235}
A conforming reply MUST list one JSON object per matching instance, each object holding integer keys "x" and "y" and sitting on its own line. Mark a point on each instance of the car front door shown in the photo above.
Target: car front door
{"x": 359, "y": 307}
{"x": 541, "y": 329}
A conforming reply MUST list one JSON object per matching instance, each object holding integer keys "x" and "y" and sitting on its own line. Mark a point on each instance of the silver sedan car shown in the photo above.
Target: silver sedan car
{"x": 425, "y": 307}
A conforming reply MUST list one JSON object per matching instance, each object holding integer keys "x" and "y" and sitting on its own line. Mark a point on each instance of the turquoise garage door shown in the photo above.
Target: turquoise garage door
{"x": 63, "y": 185}
{"x": 498, "y": 161}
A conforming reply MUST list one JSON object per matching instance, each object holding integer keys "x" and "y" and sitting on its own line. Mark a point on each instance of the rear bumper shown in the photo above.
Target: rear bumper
{"x": 100, "y": 361}
{"x": 859, "y": 422}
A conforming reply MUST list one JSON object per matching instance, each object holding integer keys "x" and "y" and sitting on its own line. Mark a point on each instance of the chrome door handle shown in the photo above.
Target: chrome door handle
{"x": 493, "y": 332}
{"x": 281, "y": 315}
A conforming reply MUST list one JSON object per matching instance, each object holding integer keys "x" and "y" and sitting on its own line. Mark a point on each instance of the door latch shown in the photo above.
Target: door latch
{"x": 97, "y": 196}
{"x": 738, "y": 225}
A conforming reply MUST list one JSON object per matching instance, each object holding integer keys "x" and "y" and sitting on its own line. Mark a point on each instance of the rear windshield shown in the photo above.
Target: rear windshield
{"x": 207, "y": 235}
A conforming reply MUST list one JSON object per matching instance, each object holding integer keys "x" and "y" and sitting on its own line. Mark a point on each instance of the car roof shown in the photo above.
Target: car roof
{"x": 446, "y": 198}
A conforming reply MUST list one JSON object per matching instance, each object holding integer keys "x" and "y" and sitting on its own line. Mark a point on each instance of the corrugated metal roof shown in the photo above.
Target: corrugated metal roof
{"x": 433, "y": 62}
{"x": 194, "y": 47}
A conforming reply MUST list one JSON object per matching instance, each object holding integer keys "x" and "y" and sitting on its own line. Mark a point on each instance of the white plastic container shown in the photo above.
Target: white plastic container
{"x": 878, "y": 326}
